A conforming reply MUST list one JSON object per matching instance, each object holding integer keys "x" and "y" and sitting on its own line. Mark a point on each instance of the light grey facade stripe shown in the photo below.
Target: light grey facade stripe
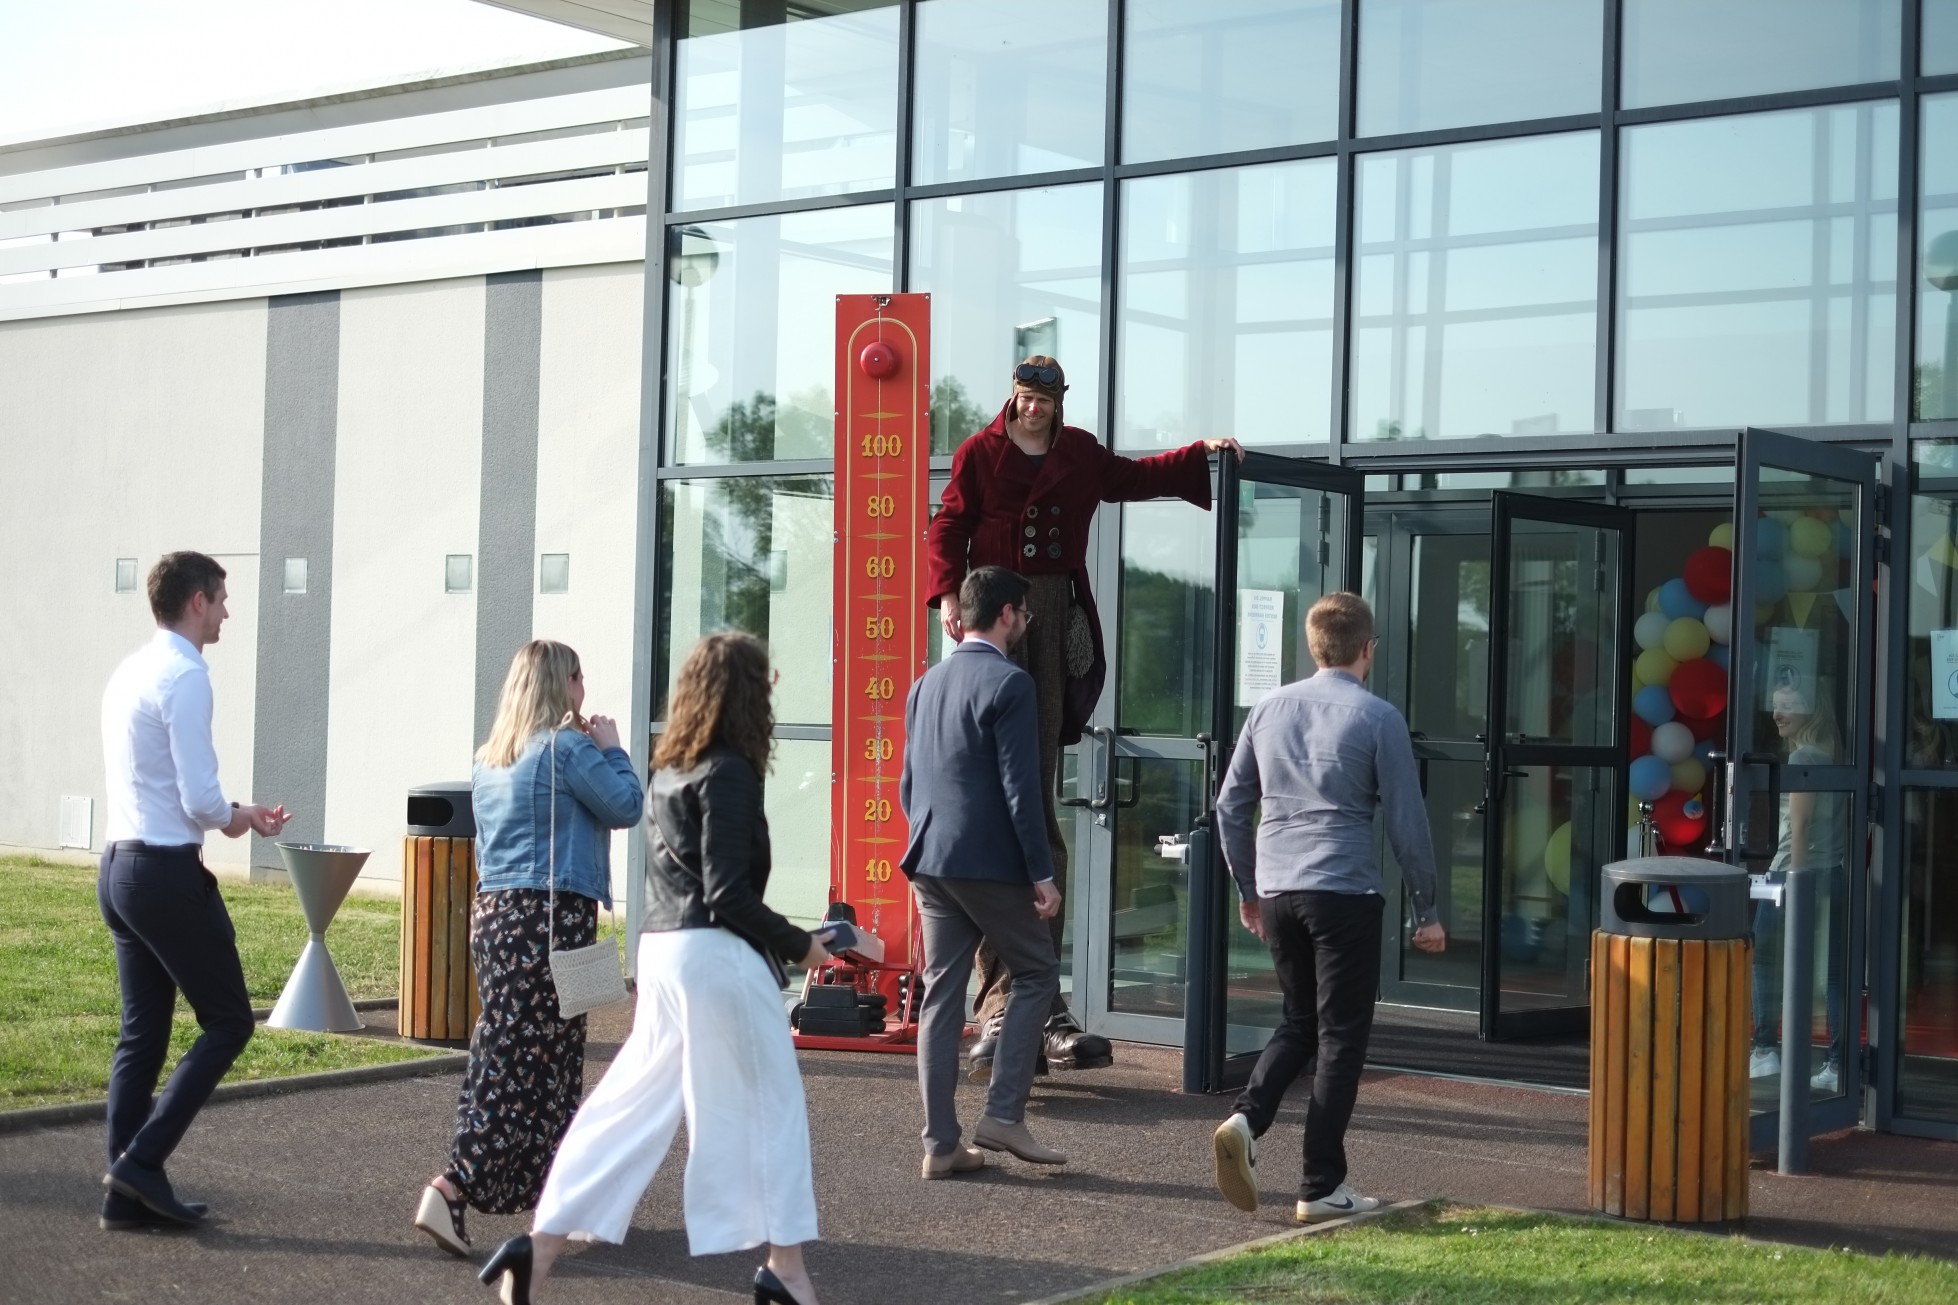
{"x": 513, "y": 337}
{"x": 302, "y": 404}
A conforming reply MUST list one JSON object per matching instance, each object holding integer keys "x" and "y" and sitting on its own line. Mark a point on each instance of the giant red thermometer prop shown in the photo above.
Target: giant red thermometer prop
{"x": 883, "y": 438}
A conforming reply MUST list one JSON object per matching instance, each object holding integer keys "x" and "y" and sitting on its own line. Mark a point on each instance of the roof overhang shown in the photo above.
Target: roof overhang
{"x": 622, "y": 20}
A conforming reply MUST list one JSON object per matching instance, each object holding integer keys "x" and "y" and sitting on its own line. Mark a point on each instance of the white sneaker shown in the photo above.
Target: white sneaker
{"x": 1764, "y": 1063}
{"x": 1237, "y": 1159}
{"x": 1827, "y": 1080}
{"x": 1338, "y": 1204}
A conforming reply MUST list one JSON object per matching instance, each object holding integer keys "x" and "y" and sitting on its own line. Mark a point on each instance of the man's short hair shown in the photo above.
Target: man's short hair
{"x": 985, "y": 592}
{"x": 1337, "y": 629}
{"x": 174, "y": 579}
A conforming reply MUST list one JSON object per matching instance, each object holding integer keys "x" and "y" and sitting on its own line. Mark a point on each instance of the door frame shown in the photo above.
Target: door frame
{"x": 1506, "y": 507}
{"x": 1855, "y": 777}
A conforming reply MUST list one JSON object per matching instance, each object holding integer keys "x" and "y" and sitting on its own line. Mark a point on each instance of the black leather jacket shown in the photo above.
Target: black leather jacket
{"x": 707, "y": 857}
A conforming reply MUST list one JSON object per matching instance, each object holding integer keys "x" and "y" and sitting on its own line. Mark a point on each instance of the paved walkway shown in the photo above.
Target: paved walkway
{"x": 313, "y": 1192}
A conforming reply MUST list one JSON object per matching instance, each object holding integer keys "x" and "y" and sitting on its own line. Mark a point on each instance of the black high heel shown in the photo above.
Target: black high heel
{"x": 769, "y": 1289}
{"x": 513, "y": 1258}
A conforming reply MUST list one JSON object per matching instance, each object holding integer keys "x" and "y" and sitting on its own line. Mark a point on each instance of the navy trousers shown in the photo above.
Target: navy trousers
{"x": 172, "y": 935}
{"x": 1326, "y": 949}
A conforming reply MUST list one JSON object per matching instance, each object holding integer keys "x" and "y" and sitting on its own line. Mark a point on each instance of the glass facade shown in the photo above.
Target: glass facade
{"x": 1476, "y": 289}
{"x": 1758, "y": 269}
{"x": 1228, "y": 75}
{"x": 1678, "y": 51}
{"x": 1456, "y": 244}
{"x": 1427, "y": 64}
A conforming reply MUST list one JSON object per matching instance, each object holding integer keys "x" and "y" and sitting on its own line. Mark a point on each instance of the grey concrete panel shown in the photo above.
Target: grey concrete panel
{"x": 302, "y": 389}
{"x": 512, "y": 347}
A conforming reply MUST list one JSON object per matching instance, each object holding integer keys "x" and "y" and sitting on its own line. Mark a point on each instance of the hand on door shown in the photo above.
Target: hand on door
{"x": 1252, "y": 919}
{"x": 1431, "y": 937}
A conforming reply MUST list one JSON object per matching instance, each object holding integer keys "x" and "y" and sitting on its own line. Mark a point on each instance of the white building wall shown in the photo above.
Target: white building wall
{"x": 587, "y": 479}
{"x": 406, "y": 494}
{"x": 121, "y": 435}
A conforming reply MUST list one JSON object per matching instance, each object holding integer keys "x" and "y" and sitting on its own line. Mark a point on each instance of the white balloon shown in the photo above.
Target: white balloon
{"x": 1804, "y": 573}
{"x": 1719, "y": 622}
{"x": 1672, "y": 742}
{"x": 1650, "y": 630}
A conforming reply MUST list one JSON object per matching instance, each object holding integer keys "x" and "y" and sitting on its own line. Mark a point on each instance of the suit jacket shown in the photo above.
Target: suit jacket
{"x": 1001, "y": 510}
{"x": 971, "y": 782}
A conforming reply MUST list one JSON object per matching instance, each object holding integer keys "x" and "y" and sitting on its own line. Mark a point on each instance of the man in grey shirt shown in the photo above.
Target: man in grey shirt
{"x": 1295, "y": 817}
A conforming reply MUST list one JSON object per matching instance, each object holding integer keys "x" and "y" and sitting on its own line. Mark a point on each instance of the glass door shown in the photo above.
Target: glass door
{"x": 1554, "y": 796}
{"x": 1799, "y": 731}
{"x": 1288, "y": 532}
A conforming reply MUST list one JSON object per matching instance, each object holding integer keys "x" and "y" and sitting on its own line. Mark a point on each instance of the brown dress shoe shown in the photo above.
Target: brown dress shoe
{"x": 994, "y": 1135}
{"x": 959, "y": 1160}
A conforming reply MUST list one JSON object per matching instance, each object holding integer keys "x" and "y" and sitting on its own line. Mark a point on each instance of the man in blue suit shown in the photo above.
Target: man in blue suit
{"x": 980, "y": 867}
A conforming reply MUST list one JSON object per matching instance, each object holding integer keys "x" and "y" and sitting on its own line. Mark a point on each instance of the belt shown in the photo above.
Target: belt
{"x": 137, "y": 845}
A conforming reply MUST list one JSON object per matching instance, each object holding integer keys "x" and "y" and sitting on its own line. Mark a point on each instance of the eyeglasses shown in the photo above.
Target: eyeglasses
{"x": 1045, "y": 375}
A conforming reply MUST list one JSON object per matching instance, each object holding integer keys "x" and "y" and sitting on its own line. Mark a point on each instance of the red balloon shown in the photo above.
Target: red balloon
{"x": 1699, "y": 689}
{"x": 1714, "y": 728}
{"x": 1710, "y": 574}
{"x": 1641, "y": 737}
{"x": 1681, "y": 819}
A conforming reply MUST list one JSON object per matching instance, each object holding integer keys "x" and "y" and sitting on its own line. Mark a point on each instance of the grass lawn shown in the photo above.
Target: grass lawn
{"x": 1466, "y": 1256}
{"x": 60, "y": 1005}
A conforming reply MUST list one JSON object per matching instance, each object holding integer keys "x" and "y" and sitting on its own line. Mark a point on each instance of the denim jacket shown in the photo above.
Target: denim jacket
{"x": 596, "y": 792}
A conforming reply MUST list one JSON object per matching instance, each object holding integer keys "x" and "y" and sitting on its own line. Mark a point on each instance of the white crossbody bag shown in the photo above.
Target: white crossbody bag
{"x": 586, "y": 978}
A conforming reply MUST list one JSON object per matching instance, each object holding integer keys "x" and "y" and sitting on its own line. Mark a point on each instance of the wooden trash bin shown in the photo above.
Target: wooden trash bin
{"x": 438, "y": 887}
{"x": 1671, "y": 989}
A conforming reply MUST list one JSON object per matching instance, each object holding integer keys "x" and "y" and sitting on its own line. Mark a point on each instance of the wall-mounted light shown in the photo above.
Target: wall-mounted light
{"x": 459, "y": 573}
{"x": 125, "y": 575}
{"x": 554, "y": 573}
{"x": 295, "y": 575}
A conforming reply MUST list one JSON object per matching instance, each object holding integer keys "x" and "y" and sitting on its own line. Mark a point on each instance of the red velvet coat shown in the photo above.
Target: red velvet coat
{"x": 1000, "y": 510}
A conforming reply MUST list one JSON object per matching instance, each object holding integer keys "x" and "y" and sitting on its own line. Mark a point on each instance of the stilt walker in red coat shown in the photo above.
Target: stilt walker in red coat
{"x": 1023, "y": 494}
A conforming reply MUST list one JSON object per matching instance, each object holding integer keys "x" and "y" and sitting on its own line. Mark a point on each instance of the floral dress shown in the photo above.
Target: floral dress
{"x": 526, "y": 1065}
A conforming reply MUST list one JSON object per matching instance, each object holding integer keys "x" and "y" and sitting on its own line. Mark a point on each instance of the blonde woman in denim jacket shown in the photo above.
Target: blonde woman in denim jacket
{"x": 549, "y": 786}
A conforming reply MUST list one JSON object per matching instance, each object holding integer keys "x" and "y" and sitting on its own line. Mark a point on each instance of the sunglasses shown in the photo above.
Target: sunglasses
{"x": 1027, "y": 372}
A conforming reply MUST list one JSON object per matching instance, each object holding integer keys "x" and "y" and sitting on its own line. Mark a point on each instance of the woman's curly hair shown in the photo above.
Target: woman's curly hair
{"x": 720, "y": 696}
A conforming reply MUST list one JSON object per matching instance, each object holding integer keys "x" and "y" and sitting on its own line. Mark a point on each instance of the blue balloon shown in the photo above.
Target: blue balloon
{"x": 1845, "y": 542}
{"x": 1653, "y": 704}
{"x": 1676, "y": 601}
{"x": 1651, "y": 778}
{"x": 1770, "y": 584}
{"x": 1770, "y": 538}
{"x": 1703, "y": 751}
{"x": 1721, "y": 655}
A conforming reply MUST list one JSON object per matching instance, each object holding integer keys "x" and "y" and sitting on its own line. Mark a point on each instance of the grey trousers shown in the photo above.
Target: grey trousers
{"x": 955, "y": 913}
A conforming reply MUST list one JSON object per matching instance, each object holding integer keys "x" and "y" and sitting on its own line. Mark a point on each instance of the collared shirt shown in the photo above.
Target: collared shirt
{"x": 980, "y": 638}
{"x": 1317, "y": 757}
{"x": 156, "y": 747}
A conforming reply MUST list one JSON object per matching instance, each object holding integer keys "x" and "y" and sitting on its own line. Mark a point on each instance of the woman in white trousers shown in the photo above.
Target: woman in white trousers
{"x": 709, "y": 1039}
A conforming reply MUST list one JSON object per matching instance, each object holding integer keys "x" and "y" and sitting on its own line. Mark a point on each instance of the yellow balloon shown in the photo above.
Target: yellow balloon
{"x": 1809, "y": 537}
{"x": 1688, "y": 776}
{"x": 1722, "y": 536}
{"x": 1654, "y": 667}
{"x": 1763, "y": 613}
{"x": 1556, "y": 858}
{"x": 1637, "y": 682}
{"x": 1652, "y": 601}
{"x": 1686, "y": 639}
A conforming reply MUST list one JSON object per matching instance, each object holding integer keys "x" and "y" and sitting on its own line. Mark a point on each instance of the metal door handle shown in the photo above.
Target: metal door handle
{"x": 1742, "y": 848}
{"x": 1100, "y": 801}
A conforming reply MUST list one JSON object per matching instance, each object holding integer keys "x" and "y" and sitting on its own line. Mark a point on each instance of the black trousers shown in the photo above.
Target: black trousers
{"x": 172, "y": 935}
{"x": 1326, "y": 948}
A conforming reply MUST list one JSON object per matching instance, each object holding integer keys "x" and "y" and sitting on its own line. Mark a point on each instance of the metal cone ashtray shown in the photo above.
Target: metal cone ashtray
{"x": 314, "y": 998}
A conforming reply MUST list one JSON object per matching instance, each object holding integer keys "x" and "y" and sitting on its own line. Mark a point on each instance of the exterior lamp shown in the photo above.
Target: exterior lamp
{"x": 1941, "y": 270}
{"x": 694, "y": 257}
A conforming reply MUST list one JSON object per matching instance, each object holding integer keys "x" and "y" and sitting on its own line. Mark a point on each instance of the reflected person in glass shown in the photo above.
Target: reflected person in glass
{"x": 1023, "y": 495}
{"x": 1814, "y": 829}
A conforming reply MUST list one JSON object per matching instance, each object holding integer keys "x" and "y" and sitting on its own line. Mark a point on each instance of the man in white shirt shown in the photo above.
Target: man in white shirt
{"x": 172, "y": 933}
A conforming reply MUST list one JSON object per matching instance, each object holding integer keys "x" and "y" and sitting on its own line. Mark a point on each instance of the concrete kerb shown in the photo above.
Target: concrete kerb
{"x": 16, "y": 1121}
{"x": 1256, "y": 1243}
